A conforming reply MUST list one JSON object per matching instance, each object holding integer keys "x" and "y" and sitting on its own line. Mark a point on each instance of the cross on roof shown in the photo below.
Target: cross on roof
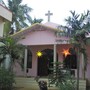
{"x": 48, "y": 14}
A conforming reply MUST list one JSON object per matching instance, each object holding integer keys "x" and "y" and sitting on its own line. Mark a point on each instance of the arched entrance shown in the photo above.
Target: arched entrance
{"x": 70, "y": 61}
{"x": 45, "y": 62}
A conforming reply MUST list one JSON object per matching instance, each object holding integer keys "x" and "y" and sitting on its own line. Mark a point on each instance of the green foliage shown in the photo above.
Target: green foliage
{"x": 7, "y": 26}
{"x": 79, "y": 41}
{"x": 79, "y": 27}
{"x": 20, "y": 15}
{"x": 77, "y": 23}
{"x": 15, "y": 51}
{"x": 6, "y": 79}
{"x": 62, "y": 78}
{"x": 36, "y": 21}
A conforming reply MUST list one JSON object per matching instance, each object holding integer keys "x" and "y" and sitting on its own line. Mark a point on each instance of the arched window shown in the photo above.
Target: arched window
{"x": 29, "y": 59}
{"x": 70, "y": 61}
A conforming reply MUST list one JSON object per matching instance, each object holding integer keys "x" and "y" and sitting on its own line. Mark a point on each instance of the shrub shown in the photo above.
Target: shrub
{"x": 6, "y": 79}
{"x": 62, "y": 78}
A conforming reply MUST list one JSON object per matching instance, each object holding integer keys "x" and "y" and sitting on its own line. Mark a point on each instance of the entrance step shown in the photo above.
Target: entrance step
{"x": 25, "y": 82}
{"x": 82, "y": 84}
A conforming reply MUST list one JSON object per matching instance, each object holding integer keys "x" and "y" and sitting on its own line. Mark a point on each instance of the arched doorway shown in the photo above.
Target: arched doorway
{"x": 70, "y": 61}
{"x": 45, "y": 62}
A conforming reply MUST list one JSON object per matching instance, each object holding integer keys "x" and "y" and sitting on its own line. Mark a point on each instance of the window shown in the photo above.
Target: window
{"x": 29, "y": 59}
{"x": 70, "y": 61}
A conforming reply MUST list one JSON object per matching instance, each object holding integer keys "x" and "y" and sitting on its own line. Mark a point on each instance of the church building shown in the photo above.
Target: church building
{"x": 51, "y": 43}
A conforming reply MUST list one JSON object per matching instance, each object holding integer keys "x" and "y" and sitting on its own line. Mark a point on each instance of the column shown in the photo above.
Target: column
{"x": 82, "y": 66}
{"x": 55, "y": 54}
{"x": 7, "y": 62}
{"x": 25, "y": 62}
{"x": 54, "y": 57}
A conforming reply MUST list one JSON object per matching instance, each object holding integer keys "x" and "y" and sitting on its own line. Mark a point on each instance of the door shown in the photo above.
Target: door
{"x": 42, "y": 66}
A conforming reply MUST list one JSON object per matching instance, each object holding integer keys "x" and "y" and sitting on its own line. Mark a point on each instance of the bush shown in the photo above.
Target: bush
{"x": 62, "y": 78}
{"x": 6, "y": 79}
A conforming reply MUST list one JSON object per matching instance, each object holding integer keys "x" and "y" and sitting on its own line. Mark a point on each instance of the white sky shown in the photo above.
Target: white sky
{"x": 59, "y": 8}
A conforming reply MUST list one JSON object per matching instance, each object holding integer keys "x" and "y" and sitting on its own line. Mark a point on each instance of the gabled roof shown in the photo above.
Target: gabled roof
{"x": 34, "y": 27}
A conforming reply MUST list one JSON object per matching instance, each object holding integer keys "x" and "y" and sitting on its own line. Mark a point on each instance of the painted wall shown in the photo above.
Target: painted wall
{"x": 88, "y": 64}
{"x": 40, "y": 40}
{"x": 5, "y": 13}
{"x": 34, "y": 49}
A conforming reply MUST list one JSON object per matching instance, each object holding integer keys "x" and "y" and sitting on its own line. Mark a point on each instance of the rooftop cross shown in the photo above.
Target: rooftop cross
{"x": 48, "y": 14}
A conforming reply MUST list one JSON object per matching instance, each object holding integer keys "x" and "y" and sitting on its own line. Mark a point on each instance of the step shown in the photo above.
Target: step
{"x": 25, "y": 82}
{"x": 31, "y": 82}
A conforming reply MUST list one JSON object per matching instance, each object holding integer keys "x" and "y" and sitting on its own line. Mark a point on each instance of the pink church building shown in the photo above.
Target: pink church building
{"x": 46, "y": 39}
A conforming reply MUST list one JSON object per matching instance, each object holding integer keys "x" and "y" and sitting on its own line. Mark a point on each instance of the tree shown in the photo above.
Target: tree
{"x": 10, "y": 47}
{"x": 78, "y": 26}
{"x": 77, "y": 22}
{"x": 20, "y": 15}
{"x": 36, "y": 21}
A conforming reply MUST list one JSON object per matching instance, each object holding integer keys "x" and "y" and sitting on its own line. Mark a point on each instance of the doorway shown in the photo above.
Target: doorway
{"x": 70, "y": 61}
{"x": 45, "y": 62}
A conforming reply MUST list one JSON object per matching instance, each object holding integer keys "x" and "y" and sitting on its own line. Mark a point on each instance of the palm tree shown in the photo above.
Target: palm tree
{"x": 10, "y": 47}
{"x": 77, "y": 22}
{"x": 20, "y": 15}
{"x": 36, "y": 21}
{"x": 79, "y": 26}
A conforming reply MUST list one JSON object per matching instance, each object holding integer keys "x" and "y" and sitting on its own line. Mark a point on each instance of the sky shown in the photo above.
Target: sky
{"x": 59, "y": 8}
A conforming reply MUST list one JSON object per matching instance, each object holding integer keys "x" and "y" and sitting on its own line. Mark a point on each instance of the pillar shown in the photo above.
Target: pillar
{"x": 54, "y": 57}
{"x": 25, "y": 62}
{"x": 55, "y": 54}
{"x": 7, "y": 62}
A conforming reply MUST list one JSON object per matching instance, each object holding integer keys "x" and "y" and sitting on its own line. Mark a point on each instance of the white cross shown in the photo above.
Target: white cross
{"x": 48, "y": 14}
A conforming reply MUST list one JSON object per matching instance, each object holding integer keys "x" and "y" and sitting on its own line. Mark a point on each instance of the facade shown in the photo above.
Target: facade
{"x": 5, "y": 15}
{"x": 44, "y": 38}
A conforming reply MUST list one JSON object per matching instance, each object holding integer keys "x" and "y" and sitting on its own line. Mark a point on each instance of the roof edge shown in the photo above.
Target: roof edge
{"x": 22, "y": 30}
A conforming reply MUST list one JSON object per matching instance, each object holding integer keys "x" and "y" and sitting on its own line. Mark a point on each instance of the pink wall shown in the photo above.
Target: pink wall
{"x": 40, "y": 40}
{"x": 18, "y": 70}
{"x": 88, "y": 65}
{"x": 34, "y": 49}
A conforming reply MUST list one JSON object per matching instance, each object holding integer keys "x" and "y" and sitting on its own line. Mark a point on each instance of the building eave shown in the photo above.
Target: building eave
{"x": 34, "y": 27}
{"x": 5, "y": 13}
